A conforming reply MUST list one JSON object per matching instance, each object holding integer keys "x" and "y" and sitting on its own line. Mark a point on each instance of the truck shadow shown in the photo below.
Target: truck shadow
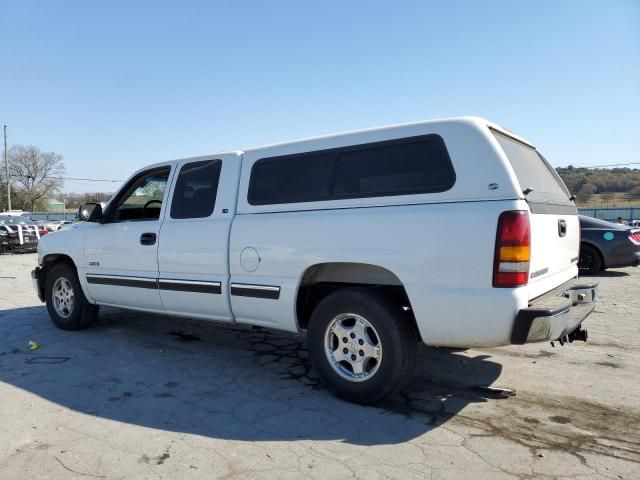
{"x": 222, "y": 381}
{"x": 609, "y": 274}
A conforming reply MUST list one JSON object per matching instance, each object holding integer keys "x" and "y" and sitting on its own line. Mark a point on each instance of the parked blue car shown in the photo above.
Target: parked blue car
{"x": 607, "y": 245}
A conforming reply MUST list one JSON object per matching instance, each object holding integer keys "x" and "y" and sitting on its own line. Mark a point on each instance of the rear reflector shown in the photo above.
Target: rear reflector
{"x": 513, "y": 250}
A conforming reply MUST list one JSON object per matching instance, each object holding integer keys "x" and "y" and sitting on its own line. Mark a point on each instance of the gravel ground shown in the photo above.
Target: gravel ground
{"x": 141, "y": 396}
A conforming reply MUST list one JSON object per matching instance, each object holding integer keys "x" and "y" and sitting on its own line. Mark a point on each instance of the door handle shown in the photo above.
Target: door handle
{"x": 562, "y": 228}
{"x": 148, "y": 239}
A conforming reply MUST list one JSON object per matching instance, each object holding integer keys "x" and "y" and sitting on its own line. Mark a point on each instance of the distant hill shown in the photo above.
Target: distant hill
{"x": 602, "y": 185}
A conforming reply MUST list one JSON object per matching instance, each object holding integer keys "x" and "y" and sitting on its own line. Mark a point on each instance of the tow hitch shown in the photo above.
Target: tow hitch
{"x": 577, "y": 335}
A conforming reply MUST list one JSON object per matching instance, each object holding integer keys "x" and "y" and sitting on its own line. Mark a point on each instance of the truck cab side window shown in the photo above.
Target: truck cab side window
{"x": 196, "y": 189}
{"x": 142, "y": 200}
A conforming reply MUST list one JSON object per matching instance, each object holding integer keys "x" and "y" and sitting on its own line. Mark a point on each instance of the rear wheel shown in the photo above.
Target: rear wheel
{"x": 361, "y": 345}
{"x": 590, "y": 261}
{"x": 68, "y": 308}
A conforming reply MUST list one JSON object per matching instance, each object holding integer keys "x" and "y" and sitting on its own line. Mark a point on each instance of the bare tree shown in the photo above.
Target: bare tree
{"x": 607, "y": 197}
{"x": 35, "y": 175}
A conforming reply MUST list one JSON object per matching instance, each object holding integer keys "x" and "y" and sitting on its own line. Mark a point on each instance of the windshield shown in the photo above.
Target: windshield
{"x": 531, "y": 169}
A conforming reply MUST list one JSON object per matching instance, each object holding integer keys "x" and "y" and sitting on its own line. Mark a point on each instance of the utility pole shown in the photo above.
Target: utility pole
{"x": 6, "y": 167}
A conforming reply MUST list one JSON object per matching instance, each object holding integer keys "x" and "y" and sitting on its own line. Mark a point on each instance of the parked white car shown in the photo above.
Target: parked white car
{"x": 51, "y": 225}
{"x": 454, "y": 233}
{"x": 63, "y": 224}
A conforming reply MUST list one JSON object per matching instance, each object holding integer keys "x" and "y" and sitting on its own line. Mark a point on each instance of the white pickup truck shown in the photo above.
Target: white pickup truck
{"x": 453, "y": 233}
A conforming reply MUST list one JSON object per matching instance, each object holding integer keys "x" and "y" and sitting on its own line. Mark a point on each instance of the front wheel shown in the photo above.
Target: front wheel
{"x": 361, "y": 345}
{"x": 68, "y": 308}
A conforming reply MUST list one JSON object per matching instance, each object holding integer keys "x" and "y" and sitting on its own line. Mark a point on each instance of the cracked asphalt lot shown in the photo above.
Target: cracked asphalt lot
{"x": 141, "y": 396}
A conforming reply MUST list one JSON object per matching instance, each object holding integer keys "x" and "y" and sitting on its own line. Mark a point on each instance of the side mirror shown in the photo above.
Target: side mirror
{"x": 90, "y": 212}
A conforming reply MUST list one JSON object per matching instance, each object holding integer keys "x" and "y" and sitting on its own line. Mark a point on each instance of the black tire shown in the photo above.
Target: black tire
{"x": 590, "y": 261}
{"x": 396, "y": 335}
{"x": 82, "y": 314}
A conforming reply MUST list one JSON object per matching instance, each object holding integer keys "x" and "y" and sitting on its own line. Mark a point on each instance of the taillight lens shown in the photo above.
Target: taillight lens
{"x": 634, "y": 236}
{"x": 43, "y": 232}
{"x": 513, "y": 250}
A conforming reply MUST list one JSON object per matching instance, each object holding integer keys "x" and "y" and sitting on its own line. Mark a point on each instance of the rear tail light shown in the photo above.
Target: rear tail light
{"x": 43, "y": 231}
{"x": 634, "y": 236}
{"x": 513, "y": 250}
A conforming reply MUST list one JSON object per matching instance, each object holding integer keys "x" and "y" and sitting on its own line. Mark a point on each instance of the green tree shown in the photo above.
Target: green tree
{"x": 586, "y": 192}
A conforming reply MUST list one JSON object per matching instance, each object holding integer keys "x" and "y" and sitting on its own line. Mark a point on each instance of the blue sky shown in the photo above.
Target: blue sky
{"x": 115, "y": 85}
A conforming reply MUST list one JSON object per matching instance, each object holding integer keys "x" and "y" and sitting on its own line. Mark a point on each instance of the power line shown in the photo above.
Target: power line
{"x": 86, "y": 179}
{"x": 74, "y": 179}
{"x": 606, "y": 165}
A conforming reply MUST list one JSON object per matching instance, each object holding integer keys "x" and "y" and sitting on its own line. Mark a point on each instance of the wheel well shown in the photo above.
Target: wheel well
{"x": 321, "y": 280}
{"x": 598, "y": 251}
{"x": 53, "y": 259}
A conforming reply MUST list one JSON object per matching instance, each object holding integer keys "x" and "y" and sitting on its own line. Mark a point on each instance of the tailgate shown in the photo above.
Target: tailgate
{"x": 555, "y": 246}
{"x": 555, "y": 227}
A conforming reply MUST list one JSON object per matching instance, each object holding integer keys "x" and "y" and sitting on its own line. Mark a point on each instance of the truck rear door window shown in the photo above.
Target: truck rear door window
{"x": 399, "y": 167}
{"x": 196, "y": 188}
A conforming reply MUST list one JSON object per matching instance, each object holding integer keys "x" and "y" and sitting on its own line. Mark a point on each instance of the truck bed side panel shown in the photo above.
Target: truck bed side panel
{"x": 442, "y": 254}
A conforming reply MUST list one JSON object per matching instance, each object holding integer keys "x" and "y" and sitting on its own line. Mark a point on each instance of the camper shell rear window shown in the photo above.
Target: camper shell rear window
{"x": 531, "y": 169}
